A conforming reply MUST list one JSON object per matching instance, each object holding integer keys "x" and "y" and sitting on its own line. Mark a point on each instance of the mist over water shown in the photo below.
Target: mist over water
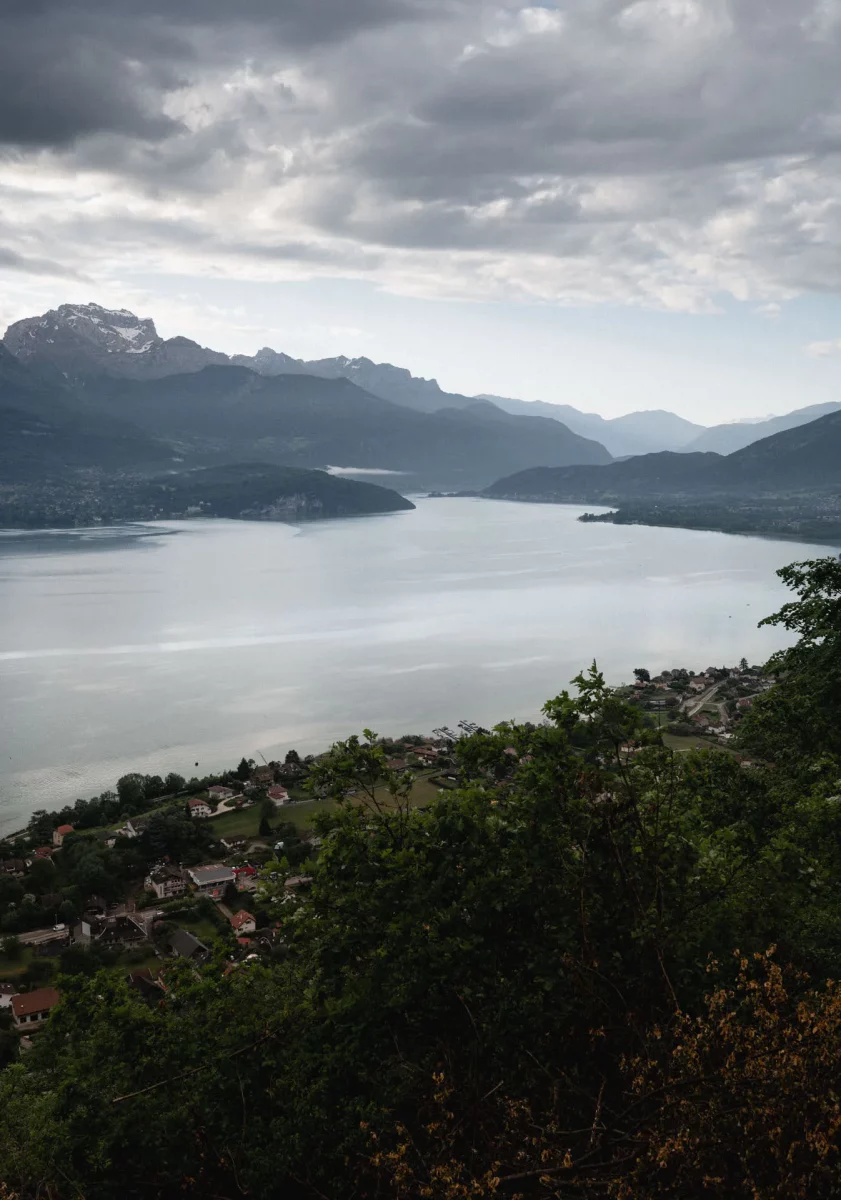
{"x": 159, "y": 647}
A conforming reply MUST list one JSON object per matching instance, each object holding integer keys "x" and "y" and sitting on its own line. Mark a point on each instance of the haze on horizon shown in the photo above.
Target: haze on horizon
{"x": 611, "y": 204}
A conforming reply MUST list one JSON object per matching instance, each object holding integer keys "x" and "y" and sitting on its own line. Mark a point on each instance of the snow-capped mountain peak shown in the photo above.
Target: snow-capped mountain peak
{"x": 88, "y": 339}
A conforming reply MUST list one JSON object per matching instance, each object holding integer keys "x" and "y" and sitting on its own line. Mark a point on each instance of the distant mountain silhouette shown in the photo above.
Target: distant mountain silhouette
{"x": 804, "y": 459}
{"x": 635, "y": 433}
{"x": 726, "y": 439}
{"x": 44, "y": 428}
{"x": 228, "y": 413}
{"x": 75, "y": 342}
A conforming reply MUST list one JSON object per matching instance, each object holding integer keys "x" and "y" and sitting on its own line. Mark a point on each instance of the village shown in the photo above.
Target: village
{"x": 177, "y": 882}
{"x": 180, "y": 878}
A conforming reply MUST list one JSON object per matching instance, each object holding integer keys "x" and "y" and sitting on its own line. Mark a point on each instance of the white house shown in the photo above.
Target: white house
{"x": 243, "y": 923}
{"x": 219, "y": 793}
{"x": 61, "y": 833}
{"x": 166, "y": 882}
{"x": 199, "y": 808}
{"x": 31, "y": 1009}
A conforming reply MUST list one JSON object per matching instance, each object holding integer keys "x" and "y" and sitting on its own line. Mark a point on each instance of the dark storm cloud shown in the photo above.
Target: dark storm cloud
{"x": 10, "y": 260}
{"x": 72, "y": 69}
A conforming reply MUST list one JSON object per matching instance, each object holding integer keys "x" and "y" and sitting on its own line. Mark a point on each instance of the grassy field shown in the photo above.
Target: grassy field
{"x": 201, "y": 927}
{"x": 676, "y": 742}
{"x": 246, "y": 822}
{"x": 9, "y": 971}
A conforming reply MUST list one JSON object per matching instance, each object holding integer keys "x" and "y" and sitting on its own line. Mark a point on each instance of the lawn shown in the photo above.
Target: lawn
{"x": 203, "y": 928}
{"x": 11, "y": 970}
{"x": 676, "y": 742}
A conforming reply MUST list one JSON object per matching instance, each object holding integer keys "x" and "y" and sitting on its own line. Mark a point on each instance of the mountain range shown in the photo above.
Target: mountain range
{"x": 130, "y": 397}
{"x": 806, "y": 459}
{"x": 102, "y": 387}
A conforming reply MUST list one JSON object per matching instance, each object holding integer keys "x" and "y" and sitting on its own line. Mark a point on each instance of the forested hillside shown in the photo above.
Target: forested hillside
{"x": 594, "y": 968}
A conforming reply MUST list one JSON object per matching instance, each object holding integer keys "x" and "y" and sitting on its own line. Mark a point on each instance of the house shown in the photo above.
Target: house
{"x": 278, "y": 794}
{"x": 183, "y": 944}
{"x": 263, "y": 775}
{"x": 220, "y": 793}
{"x": 7, "y": 990}
{"x": 745, "y": 702}
{"x": 43, "y": 851}
{"x": 15, "y": 867}
{"x": 121, "y": 931}
{"x": 243, "y": 923}
{"x": 199, "y": 808}
{"x": 143, "y": 981}
{"x": 31, "y": 1009}
{"x": 61, "y": 833}
{"x": 97, "y": 905}
{"x": 397, "y": 764}
{"x": 211, "y": 880}
{"x": 165, "y": 882}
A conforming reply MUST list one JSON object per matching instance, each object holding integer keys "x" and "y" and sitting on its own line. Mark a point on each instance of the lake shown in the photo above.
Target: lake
{"x": 184, "y": 646}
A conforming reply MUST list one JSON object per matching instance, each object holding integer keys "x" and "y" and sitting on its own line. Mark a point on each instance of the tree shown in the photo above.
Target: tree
{"x": 13, "y": 949}
{"x": 131, "y": 791}
{"x": 174, "y": 783}
{"x": 267, "y": 812}
{"x": 41, "y": 827}
{"x": 292, "y": 756}
{"x": 243, "y": 771}
{"x": 799, "y": 719}
{"x": 642, "y": 675}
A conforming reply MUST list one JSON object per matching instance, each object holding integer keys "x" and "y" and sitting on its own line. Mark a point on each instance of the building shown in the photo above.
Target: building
{"x": 143, "y": 981}
{"x": 184, "y": 944}
{"x": 263, "y": 775}
{"x": 220, "y": 793}
{"x": 60, "y": 834}
{"x": 15, "y": 867}
{"x": 7, "y": 990}
{"x": 199, "y": 808}
{"x": 243, "y": 923}
{"x": 278, "y": 794}
{"x": 166, "y": 882}
{"x": 211, "y": 880}
{"x": 31, "y": 1009}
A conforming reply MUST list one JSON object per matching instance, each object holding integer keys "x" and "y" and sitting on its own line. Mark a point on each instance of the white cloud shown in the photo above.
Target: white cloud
{"x": 824, "y": 349}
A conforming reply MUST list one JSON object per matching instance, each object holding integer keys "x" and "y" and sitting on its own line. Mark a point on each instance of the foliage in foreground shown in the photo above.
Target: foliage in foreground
{"x": 526, "y": 988}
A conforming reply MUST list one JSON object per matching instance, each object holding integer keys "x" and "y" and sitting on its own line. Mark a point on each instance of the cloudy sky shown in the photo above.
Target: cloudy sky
{"x": 606, "y": 203}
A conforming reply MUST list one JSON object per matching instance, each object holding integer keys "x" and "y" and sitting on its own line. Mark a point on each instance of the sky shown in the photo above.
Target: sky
{"x": 611, "y": 204}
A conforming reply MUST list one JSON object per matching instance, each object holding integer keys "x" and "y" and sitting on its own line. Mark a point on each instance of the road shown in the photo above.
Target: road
{"x": 695, "y": 706}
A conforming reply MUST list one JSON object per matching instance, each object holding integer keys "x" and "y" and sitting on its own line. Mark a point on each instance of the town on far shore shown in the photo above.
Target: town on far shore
{"x": 165, "y": 869}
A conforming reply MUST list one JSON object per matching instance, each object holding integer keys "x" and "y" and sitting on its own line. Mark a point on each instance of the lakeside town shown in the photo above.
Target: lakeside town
{"x": 164, "y": 870}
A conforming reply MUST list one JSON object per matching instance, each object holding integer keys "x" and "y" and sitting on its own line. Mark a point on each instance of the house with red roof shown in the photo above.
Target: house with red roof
{"x": 199, "y": 808}
{"x": 61, "y": 833}
{"x": 243, "y": 923}
{"x": 31, "y": 1009}
{"x": 278, "y": 794}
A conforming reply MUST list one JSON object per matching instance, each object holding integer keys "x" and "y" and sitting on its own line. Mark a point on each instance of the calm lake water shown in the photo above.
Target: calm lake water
{"x": 159, "y": 647}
